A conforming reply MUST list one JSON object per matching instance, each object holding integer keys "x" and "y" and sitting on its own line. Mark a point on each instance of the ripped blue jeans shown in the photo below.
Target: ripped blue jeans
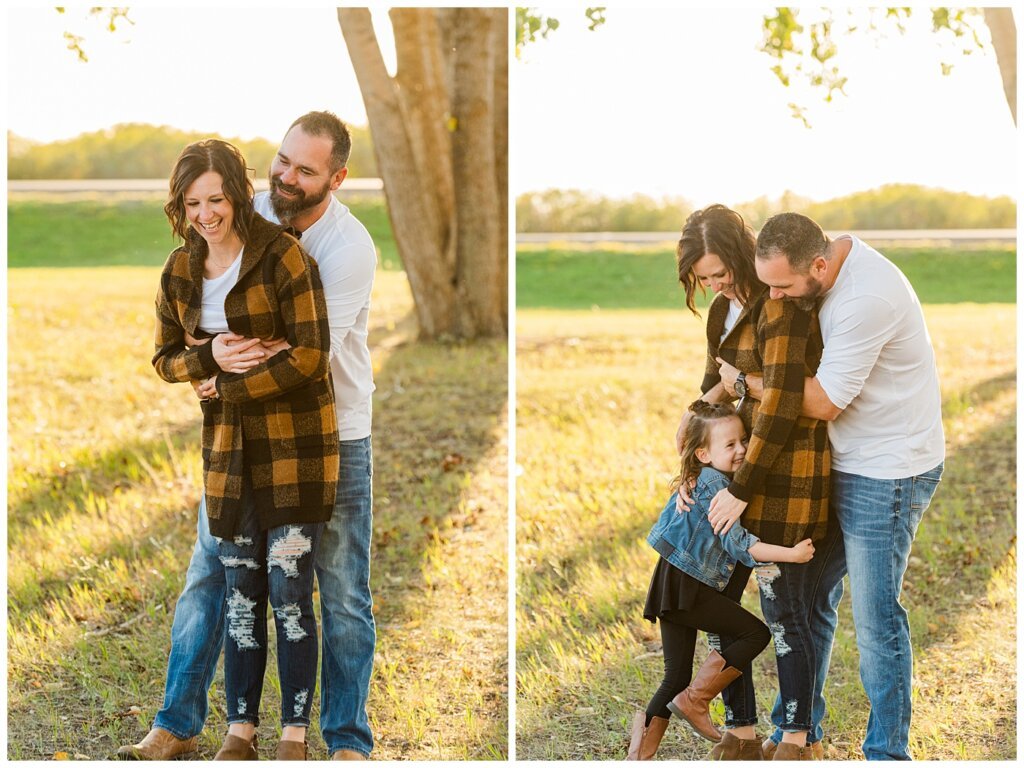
{"x": 275, "y": 566}
{"x": 786, "y": 591}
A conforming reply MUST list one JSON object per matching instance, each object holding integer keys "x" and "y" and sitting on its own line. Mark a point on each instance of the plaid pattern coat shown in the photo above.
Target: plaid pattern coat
{"x": 276, "y": 422}
{"x": 785, "y": 475}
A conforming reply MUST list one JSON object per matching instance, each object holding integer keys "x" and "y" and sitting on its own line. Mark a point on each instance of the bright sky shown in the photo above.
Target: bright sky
{"x": 209, "y": 69}
{"x": 680, "y": 102}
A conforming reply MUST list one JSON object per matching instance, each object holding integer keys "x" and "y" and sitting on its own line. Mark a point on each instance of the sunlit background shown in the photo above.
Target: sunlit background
{"x": 682, "y": 102}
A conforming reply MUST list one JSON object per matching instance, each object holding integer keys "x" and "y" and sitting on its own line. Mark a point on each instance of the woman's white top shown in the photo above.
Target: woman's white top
{"x": 213, "y": 318}
{"x": 731, "y": 317}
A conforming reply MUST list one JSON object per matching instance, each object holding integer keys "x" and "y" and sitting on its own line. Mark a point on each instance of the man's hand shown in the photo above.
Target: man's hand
{"x": 687, "y": 415}
{"x": 207, "y": 390}
{"x": 192, "y": 341}
{"x": 725, "y": 510}
{"x": 728, "y": 374}
{"x": 237, "y": 354}
{"x": 197, "y": 385}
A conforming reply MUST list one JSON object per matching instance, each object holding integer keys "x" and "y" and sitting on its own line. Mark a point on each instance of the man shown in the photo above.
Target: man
{"x": 878, "y": 388}
{"x": 309, "y": 166}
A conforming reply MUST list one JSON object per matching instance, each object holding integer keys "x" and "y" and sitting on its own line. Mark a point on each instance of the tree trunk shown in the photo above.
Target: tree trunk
{"x": 474, "y": 171}
{"x": 441, "y": 143}
{"x": 501, "y": 43}
{"x": 1004, "y": 40}
{"x": 414, "y": 222}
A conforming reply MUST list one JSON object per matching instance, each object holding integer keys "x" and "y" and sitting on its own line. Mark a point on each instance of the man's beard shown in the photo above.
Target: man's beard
{"x": 288, "y": 208}
{"x": 809, "y": 300}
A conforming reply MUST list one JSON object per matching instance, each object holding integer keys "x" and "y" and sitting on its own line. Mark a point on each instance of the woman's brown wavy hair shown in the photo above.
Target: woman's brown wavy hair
{"x": 223, "y": 159}
{"x": 723, "y": 232}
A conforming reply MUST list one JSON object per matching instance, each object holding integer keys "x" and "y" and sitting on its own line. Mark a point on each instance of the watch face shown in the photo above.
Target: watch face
{"x": 741, "y": 387}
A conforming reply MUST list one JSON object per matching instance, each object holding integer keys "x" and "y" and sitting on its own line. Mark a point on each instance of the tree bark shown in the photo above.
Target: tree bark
{"x": 473, "y": 165}
{"x": 441, "y": 141}
{"x": 414, "y": 222}
{"x": 501, "y": 44}
{"x": 1004, "y": 40}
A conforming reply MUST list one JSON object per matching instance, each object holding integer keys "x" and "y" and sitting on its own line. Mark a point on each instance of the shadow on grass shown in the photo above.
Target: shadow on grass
{"x": 438, "y": 412}
{"x": 966, "y": 535}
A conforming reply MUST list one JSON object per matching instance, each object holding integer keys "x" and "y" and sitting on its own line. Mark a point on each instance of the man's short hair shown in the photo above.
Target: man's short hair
{"x": 796, "y": 237}
{"x": 327, "y": 124}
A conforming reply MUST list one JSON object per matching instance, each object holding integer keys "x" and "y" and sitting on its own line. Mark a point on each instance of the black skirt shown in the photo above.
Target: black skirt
{"x": 670, "y": 590}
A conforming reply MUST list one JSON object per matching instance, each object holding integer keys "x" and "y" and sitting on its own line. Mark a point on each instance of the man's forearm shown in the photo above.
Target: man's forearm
{"x": 816, "y": 404}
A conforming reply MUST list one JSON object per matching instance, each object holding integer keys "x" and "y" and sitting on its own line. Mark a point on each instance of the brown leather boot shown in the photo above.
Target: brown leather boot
{"x": 291, "y": 750}
{"x": 644, "y": 739}
{"x": 734, "y": 748}
{"x": 692, "y": 704}
{"x": 237, "y": 748}
{"x": 787, "y": 751}
{"x": 768, "y": 748}
{"x": 158, "y": 744}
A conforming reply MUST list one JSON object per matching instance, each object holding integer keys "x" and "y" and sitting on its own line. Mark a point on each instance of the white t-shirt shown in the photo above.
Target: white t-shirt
{"x": 344, "y": 252}
{"x": 735, "y": 308}
{"x": 879, "y": 366}
{"x": 212, "y": 317}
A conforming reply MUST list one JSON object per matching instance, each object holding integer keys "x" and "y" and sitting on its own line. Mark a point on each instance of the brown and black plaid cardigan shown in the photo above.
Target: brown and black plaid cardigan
{"x": 785, "y": 476}
{"x": 276, "y": 422}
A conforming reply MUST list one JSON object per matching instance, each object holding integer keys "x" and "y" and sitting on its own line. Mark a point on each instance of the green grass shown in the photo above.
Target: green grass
{"x": 599, "y": 396}
{"x": 629, "y": 277}
{"x": 126, "y": 232}
{"x": 103, "y": 484}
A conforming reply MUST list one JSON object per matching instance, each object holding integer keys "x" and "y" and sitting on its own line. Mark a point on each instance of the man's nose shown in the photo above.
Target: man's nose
{"x": 775, "y": 293}
{"x": 289, "y": 176}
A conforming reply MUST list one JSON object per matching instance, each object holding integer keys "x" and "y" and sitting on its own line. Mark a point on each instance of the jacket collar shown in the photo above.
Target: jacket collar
{"x": 261, "y": 234}
{"x": 720, "y": 308}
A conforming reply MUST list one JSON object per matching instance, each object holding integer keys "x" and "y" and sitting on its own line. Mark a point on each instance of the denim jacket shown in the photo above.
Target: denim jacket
{"x": 687, "y": 540}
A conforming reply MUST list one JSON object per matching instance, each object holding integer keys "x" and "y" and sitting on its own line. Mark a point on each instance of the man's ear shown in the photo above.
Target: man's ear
{"x": 338, "y": 177}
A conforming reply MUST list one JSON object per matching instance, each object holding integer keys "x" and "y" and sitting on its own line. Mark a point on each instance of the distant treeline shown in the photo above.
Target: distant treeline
{"x": 141, "y": 151}
{"x": 892, "y": 206}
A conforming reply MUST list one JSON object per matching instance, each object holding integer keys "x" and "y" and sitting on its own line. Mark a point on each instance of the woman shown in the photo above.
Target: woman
{"x": 781, "y": 489}
{"x": 270, "y": 444}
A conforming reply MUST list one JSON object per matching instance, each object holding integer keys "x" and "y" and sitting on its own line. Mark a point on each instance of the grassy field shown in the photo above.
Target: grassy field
{"x": 103, "y": 484}
{"x": 599, "y": 395}
{"x": 126, "y": 231}
{"x": 627, "y": 277}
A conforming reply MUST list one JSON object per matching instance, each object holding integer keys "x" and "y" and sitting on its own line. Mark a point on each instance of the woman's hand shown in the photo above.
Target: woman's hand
{"x": 687, "y": 415}
{"x": 207, "y": 390}
{"x": 728, "y": 373}
{"x": 237, "y": 354}
{"x": 273, "y": 346}
{"x": 725, "y": 509}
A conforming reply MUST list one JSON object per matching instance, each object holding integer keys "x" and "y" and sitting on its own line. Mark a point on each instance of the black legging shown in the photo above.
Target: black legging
{"x": 712, "y": 612}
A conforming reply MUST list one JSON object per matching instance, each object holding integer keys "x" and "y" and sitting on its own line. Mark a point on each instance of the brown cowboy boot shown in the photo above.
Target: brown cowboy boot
{"x": 734, "y": 748}
{"x": 291, "y": 750}
{"x": 644, "y": 740}
{"x": 768, "y": 748}
{"x": 158, "y": 744}
{"x": 692, "y": 704}
{"x": 237, "y": 748}
{"x": 787, "y": 751}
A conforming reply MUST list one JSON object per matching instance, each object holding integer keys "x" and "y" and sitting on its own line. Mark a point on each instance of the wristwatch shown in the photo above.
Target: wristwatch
{"x": 741, "y": 384}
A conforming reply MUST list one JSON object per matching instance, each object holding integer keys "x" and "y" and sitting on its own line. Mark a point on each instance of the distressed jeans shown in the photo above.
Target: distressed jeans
{"x": 786, "y": 590}
{"x": 879, "y": 519}
{"x": 347, "y": 626}
{"x": 274, "y": 566}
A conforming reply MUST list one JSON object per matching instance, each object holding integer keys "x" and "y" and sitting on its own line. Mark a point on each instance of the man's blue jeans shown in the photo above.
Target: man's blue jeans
{"x": 349, "y": 635}
{"x": 879, "y": 519}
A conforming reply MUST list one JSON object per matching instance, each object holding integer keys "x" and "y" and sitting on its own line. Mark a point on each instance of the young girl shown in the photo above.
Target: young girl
{"x": 686, "y": 590}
